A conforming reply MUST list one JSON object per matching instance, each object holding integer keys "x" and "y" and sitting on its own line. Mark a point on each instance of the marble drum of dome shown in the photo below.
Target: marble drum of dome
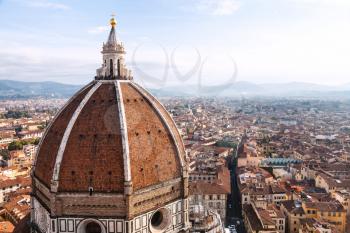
{"x": 112, "y": 160}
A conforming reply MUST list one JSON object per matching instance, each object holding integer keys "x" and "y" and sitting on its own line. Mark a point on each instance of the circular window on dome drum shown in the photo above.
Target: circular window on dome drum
{"x": 160, "y": 220}
{"x": 93, "y": 227}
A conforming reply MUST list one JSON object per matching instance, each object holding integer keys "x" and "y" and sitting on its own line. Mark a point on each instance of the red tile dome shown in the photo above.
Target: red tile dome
{"x": 112, "y": 152}
{"x": 110, "y": 135}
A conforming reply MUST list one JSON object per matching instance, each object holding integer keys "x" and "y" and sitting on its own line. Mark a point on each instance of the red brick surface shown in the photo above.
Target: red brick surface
{"x": 153, "y": 155}
{"x": 94, "y": 153}
{"x": 48, "y": 150}
{"x": 169, "y": 121}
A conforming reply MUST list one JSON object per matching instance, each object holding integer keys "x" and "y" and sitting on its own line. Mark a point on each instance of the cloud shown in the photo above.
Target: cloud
{"x": 21, "y": 67}
{"x": 73, "y": 61}
{"x": 43, "y": 4}
{"x": 218, "y": 7}
{"x": 334, "y": 3}
{"x": 98, "y": 29}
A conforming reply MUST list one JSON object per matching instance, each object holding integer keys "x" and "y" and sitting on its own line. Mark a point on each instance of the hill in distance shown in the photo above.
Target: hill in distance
{"x": 18, "y": 89}
{"x": 237, "y": 89}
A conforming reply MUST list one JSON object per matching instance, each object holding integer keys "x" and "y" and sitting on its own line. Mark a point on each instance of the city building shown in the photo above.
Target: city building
{"x": 204, "y": 220}
{"x": 331, "y": 212}
{"x": 263, "y": 220}
{"x": 212, "y": 196}
{"x": 312, "y": 225}
{"x": 294, "y": 212}
{"x": 7, "y": 186}
{"x": 344, "y": 198}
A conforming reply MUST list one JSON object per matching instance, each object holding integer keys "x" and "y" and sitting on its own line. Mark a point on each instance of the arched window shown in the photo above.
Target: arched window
{"x": 118, "y": 67}
{"x": 93, "y": 227}
{"x": 111, "y": 67}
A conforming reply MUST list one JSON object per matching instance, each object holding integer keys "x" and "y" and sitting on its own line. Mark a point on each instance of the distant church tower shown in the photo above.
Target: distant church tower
{"x": 111, "y": 161}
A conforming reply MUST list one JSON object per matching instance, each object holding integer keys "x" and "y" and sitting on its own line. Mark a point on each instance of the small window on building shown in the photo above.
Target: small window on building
{"x": 53, "y": 226}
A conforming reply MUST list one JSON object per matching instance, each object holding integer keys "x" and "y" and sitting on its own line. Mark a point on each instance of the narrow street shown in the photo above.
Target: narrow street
{"x": 234, "y": 210}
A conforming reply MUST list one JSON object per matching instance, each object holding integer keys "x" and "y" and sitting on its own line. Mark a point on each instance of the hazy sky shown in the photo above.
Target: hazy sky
{"x": 209, "y": 40}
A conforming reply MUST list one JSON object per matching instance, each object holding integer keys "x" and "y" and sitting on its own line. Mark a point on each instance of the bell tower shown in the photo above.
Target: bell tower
{"x": 113, "y": 53}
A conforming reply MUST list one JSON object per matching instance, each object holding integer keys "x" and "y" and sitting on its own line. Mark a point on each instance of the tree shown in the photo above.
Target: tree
{"x": 36, "y": 141}
{"x": 226, "y": 144}
{"x": 16, "y": 145}
{"x": 18, "y": 129}
{"x": 5, "y": 154}
{"x": 16, "y": 114}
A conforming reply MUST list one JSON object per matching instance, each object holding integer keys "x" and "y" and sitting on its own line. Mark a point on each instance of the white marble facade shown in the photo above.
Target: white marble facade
{"x": 175, "y": 214}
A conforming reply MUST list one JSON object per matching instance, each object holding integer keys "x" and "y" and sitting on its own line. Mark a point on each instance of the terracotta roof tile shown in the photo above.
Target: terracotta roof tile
{"x": 153, "y": 155}
{"x": 94, "y": 154}
{"x": 48, "y": 150}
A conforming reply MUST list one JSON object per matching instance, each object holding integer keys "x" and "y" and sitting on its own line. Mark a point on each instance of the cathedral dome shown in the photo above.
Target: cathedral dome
{"x": 112, "y": 160}
{"x": 110, "y": 136}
